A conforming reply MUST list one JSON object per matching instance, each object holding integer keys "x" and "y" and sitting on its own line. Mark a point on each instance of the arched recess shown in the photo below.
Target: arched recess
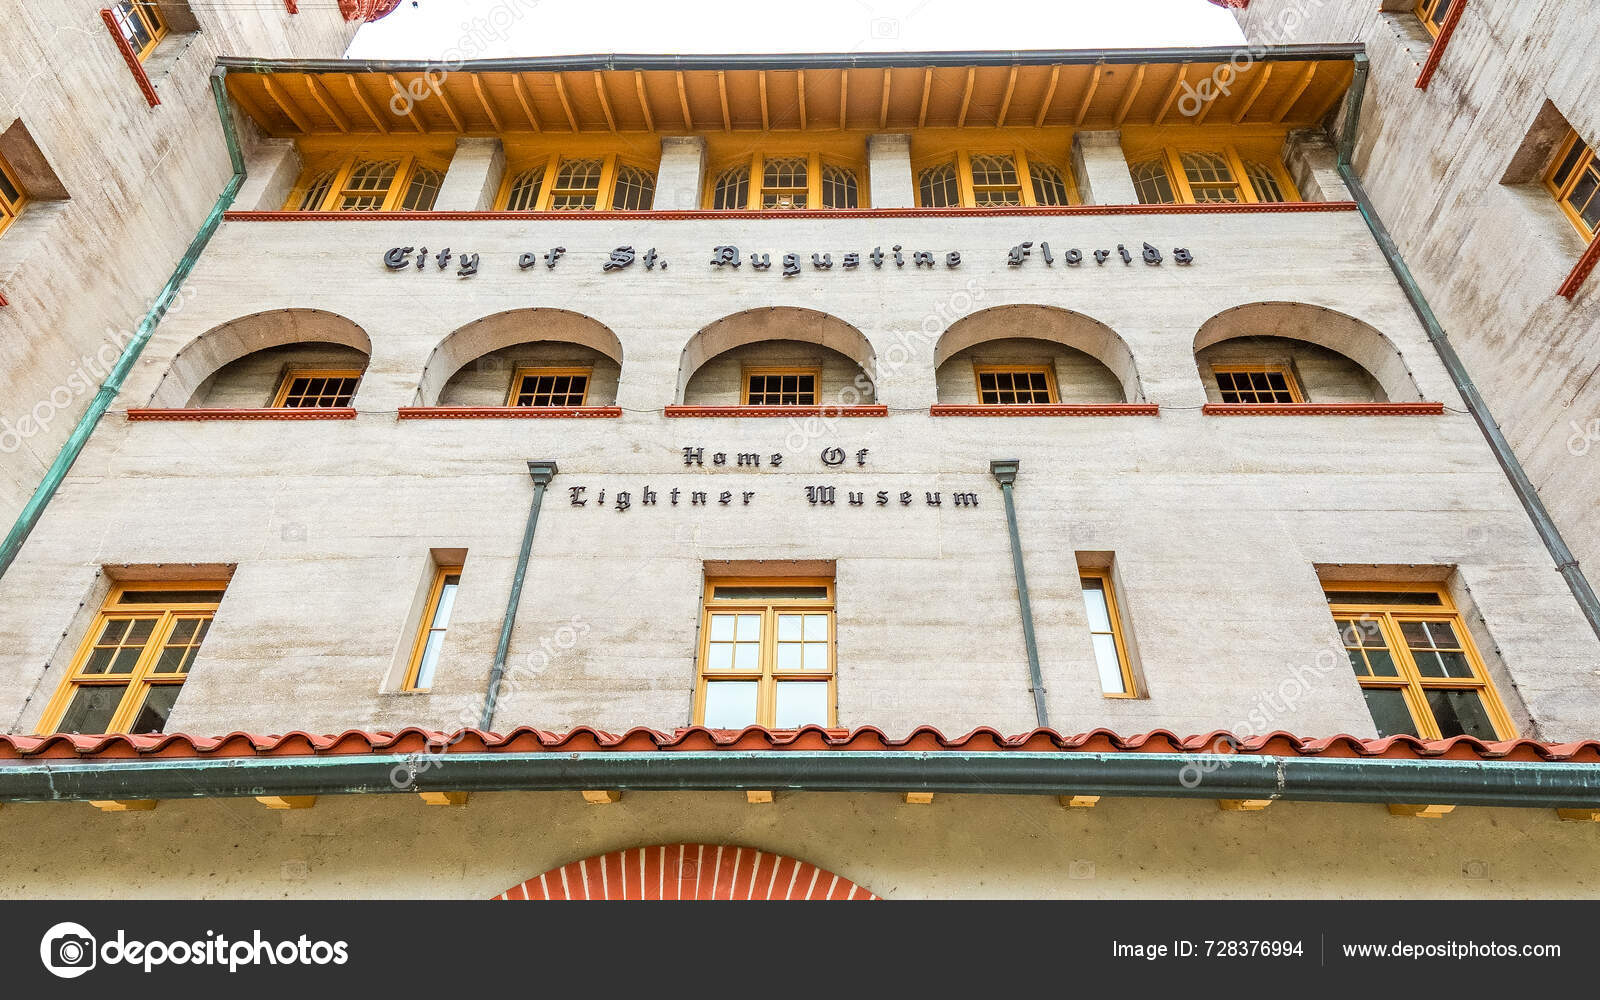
{"x": 782, "y": 323}
{"x": 500, "y": 331}
{"x": 687, "y": 871}
{"x": 1354, "y": 340}
{"x": 316, "y": 334}
{"x": 1073, "y": 330}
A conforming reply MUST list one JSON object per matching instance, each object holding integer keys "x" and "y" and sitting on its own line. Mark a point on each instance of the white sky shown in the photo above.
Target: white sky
{"x": 482, "y": 29}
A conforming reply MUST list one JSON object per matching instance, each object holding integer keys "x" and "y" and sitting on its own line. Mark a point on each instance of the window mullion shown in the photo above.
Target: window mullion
{"x": 341, "y": 178}
{"x": 1025, "y": 195}
{"x": 138, "y": 680}
{"x": 547, "y": 183}
{"x": 398, "y": 183}
{"x": 1247, "y": 190}
{"x": 1180, "y": 178}
{"x": 608, "y": 180}
{"x": 814, "y": 181}
{"x": 969, "y": 195}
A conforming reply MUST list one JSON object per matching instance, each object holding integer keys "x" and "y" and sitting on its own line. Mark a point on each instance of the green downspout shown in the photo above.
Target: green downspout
{"x": 542, "y": 473}
{"x": 1004, "y": 471}
{"x": 1520, "y": 483}
{"x": 69, "y": 452}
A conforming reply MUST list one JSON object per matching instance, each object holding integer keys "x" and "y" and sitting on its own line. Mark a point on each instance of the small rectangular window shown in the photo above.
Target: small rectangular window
{"x": 430, "y": 635}
{"x": 306, "y": 389}
{"x": 1014, "y": 385}
{"x": 549, "y": 387}
{"x": 130, "y": 667}
{"x": 12, "y": 195}
{"x": 141, "y": 23}
{"x": 766, "y": 654}
{"x": 1258, "y": 384}
{"x": 1574, "y": 180}
{"x": 1105, "y": 633}
{"x": 780, "y": 386}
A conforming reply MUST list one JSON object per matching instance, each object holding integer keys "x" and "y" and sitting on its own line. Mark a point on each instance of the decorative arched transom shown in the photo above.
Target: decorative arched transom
{"x": 688, "y": 871}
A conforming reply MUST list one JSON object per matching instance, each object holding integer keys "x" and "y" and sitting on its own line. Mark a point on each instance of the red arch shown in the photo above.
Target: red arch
{"x": 687, "y": 871}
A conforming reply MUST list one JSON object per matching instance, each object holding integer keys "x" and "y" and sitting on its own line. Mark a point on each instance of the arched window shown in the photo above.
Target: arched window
{"x": 369, "y": 184}
{"x": 1264, "y": 181}
{"x": 577, "y": 185}
{"x": 784, "y": 182}
{"x": 635, "y": 190}
{"x": 423, "y": 190}
{"x": 524, "y": 193}
{"x": 839, "y": 188}
{"x": 995, "y": 181}
{"x": 1210, "y": 177}
{"x": 937, "y": 186}
{"x": 1151, "y": 183}
{"x": 1049, "y": 187}
{"x": 317, "y": 191}
{"x": 732, "y": 189}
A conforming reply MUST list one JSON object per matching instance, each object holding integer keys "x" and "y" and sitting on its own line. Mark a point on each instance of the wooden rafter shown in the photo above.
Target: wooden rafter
{"x": 366, "y": 105}
{"x": 927, "y": 88}
{"x": 605, "y": 102}
{"x": 1049, "y": 95}
{"x": 488, "y": 106}
{"x": 411, "y": 110}
{"x": 722, "y": 90}
{"x": 683, "y": 103}
{"x": 285, "y": 105}
{"x": 566, "y": 105}
{"x": 761, "y": 84}
{"x": 644, "y": 101}
{"x": 1172, "y": 93}
{"x": 801, "y": 83}
{"x": 249, "y": 104}
{"x": 521, "y": 91}
{"x": 1226, "y": 79}
{"x": 436, "y": 84}
{"x": 883, "y": 105}
{"x": 325, "y": 100}
{"x": 966, "y": 96}
{"x": 1131, "y": 95}
{"x": 1005, "y": 102}
{"x": 1255, "y": 92}
{"x": 844, "y": 95}
{"x": 1295, "y": 93}
{"x": 1088, "y": 95}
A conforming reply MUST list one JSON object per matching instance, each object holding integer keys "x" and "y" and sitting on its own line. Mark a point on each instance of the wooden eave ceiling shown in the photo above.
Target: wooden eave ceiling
{"x": 289, "y": 104}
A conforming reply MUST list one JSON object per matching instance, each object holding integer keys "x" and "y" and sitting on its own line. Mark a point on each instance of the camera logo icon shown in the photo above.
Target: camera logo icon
{"x": 68, "y": 950}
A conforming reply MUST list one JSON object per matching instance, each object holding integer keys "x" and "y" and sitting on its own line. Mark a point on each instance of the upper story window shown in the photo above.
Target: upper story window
{"x": 12, "y": 195}
{"x": 141, "y": 24}
{"x": 435, "y": 623}
{"x": 781, "y": 386}
{"x": 1105, "y": 633}
{"x": 1012, "y": 385}
{"x": 1192, "y": 176}
{"x": 578, "y": 184}
{"x": 1432, "y": 14}
{"x": 302, "y": 388}
{"x": 800, "y": 180}
{"x": 1258, "y": 384}
{"x": 549, "y": 387}
{"x": 1416, "y": 664}
{"x": 1574, "y": 179}
{"x": 131, "y": 665}
{"x": 991, "y": 178}
{"x": 370, "y": 184}
{"x": 766, "y": 654}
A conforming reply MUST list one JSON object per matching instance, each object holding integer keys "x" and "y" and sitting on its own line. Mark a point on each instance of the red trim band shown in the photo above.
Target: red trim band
{"x": 243, "y": 413}
{"x": 1210, "y": 208}
{"x": 1580, "y": 272}
{"x": 1044, "y": 410}
{"x": 130, "y": 57}
{"x": 503, "y": 412}
{"x": 1436, "y": 51}
{"x": 776, "y": 411}
{"x": 1322, "y": 409}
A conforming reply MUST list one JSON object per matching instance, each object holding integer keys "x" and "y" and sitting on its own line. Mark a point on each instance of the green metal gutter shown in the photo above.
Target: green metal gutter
{"x": 1004, "y": 471}
{"x": 69, "y": 452}
{"x": 1566, "y": 563}
{"x": 542, "y": 473}
{"x": 1161, "y": 775}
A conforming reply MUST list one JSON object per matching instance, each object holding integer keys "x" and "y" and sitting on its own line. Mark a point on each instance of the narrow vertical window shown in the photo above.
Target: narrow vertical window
{"x": 12, "y": 195}
{"x": 317, "y": 190}
{"x": 1105, "y": 633}
{"x": 430, "y": 635}
{"x": 303, "y": 388}
{"x": 129, "y": 670}
{"x": 1264, "y": 180}
{"x": 1574, "y": 180}
{"x": 938, "y": 187}
{"x": 766, "y": 654}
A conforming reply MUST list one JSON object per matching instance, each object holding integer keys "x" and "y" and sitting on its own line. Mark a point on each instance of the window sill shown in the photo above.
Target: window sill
{"x": 503, "y": 412}
{"x": 1322, "y": 409}
{"x": 1044, "y": 410}
{"x": 254, "y": 413}
{"x": 776, "y": 411}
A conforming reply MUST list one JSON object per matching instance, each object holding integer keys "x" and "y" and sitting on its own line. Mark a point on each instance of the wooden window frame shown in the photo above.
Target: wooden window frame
{"x": 409, "y": 163}
{"x": 280, "y": 397}
{"x": 141, "y": 679}
{"x": 1409, "y": 679}
{"x": 1425, "y": 9}
{"x": 1296, "y": 392}
{"x": 755, "y": 168}
{"x": 149, "y": 15}
{"x": 11, "y": 210}
{"x": 1048, "y": 371}
{"x": 534, "y": 372}
{"x": 611, "y": 165}
{"x": 744, "y": 381}
{"x": 1587, "y": 162}
{"x": 1171, "y": 158}
{"x": 425, "y": 626}
{"x": 968, "y": 188}
{"x": 1114, "y": 612}
{"x": 766, "y": 675}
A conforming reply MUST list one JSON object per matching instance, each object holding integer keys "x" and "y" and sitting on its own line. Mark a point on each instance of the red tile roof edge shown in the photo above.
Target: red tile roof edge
{"x": 586, "y": 739}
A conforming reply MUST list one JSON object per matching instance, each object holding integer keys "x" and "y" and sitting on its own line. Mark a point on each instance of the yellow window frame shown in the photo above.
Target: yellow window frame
{"x": 1410, "y": 681}
{"x": 141, "y": 679}
{"x": 280, "y": 398}
{"x": 1183, "y": 190}
{"x": 1296, "y": 394}
{"x": 425, "y": 626}
{"x": 1048, "y": 371}
{"x": 1114, "y": 612}
{"x": 756, "y": 168}
{"x": 610, "y": 165}
{"x": 1586, "y": 164}
{"x": 149, "y": 17}
{"x": 767, "y": 675}
{"x": 409, "y": 163}
{"x": 11, "y": 208}
{"x": 969, "y": 188}
{"x": 769, "y": 370}
{"x": 520, "y": 374}
{"x": 1427, "y": 10}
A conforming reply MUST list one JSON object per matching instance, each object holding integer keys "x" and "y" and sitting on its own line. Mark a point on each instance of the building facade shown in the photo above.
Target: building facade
{"x": 895, "y": 475}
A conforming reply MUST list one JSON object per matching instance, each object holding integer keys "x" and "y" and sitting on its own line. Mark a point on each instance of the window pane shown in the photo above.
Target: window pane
{"x": 789, "y": 627}
{"x": 1389, "y": 712}
{"x": 1461, "y": 713}
{"x": 152, "y": 718}
{"x": 1562, "y": 172}
{"x": 789, "y": 657}
{"x": 816, "y": 628}
{"x": 430, "y": 659}
{"x": 524, "y": 194}
{"x": 1094, "y": 601}
{"x": 802, "y": 703}
{"x": 1382, "y": 597}
{"x": 1105, "y": 656}
{"x": 730, "y": 704}
{"x": 747, "y": 656}
{"x": 92, "y": 708}
{"x": 722, "y": 628}
{"x": 816, "y": 656}
{"x": 447, "y": 601}
{"x": 749, "y": 628}
{"x": 719, "y": 656}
